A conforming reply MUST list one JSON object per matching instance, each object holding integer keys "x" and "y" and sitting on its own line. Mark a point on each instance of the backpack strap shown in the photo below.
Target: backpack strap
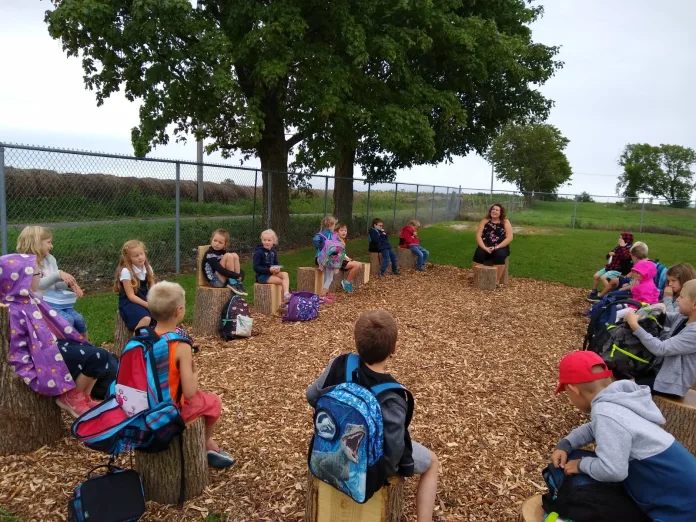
{"x": 352, "y": 363}
{"x": 395, "y": 386}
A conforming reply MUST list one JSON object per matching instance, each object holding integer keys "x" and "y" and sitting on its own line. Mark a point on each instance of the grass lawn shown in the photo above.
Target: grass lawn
{"x": 564, "y": 255}
{"x": 7, "y": 517}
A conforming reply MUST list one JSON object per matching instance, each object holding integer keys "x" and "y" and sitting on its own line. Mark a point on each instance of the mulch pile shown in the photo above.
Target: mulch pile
{"x": 481, "y": 366}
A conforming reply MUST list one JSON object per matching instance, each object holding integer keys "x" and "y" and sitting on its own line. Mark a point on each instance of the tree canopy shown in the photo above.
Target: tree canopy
{"x": 662, "y": 172}
{"x": 531, "y": 157}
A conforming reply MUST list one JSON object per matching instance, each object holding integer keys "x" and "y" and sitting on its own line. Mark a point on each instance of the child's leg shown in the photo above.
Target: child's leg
{"x": 605, "y": 281}
{"x": 231, "y": 262}
{"x": 427, "y": 485}
{"x": 85, "y": 384}
{"x": 425, "y": 253}
{"x": 353, "y": 268}
{"x": 595, "y": 281}
{"x": 144, "y": 322}
{"x": 395, "y": 266}
{"x": 612, "y": 284}
{"x": 419, "y": 256}
{"x": 501, "y": 271}
{"x": 281, "y": 279}
{"x": 385, "y": 261}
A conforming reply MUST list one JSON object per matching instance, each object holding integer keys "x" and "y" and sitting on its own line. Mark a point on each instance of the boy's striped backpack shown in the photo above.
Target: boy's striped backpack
{"x": 347, "y": 449}
{"x": 332, "y": 253}
{"x": 660, "y": 278}
{"x": 140, "y": 413}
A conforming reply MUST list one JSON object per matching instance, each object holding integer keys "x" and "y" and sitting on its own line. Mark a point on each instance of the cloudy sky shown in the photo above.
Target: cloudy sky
{"x": 629, "y": 76}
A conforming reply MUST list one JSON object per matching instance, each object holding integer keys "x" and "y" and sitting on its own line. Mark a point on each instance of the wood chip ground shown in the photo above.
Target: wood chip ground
{"x": 481, "y": 366}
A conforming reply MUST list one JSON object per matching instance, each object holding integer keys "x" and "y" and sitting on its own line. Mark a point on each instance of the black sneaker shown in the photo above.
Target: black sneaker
{"x": 396, "y": 272}
{"x": 238, "y": 288}
{"x": 593, "y": 296}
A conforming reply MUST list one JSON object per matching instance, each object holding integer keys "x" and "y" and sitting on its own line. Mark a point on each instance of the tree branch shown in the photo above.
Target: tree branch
{"x": 294, "y": 140}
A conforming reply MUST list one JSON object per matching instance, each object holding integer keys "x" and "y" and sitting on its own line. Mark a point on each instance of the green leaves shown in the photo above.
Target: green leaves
{"x": 531, "y": 157}
{"x": 662, "y": 172}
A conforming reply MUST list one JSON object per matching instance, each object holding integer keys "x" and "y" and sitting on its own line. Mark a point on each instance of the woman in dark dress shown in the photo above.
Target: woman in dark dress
{"x": 494, "y": 235}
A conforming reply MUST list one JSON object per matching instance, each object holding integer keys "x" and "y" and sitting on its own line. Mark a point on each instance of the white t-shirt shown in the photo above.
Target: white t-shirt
{"x": 141, "y": 273}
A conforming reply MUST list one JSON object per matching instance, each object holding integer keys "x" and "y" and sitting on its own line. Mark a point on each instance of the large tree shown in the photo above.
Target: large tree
{"x": 532, "y": 158}
{"x": 421, "y": 83}
{"x": 662, "y": 172}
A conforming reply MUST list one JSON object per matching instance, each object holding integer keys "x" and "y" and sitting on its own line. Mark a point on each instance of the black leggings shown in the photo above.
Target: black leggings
{"x": 498, "y": 257}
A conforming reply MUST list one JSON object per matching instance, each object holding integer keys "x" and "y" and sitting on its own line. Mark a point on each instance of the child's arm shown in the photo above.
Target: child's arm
{"x": 318, "y": 241}
{"x": 256, "y": 262}
{"x": 315, "y": 389}
{"x": 394, "y": 420}
{"x": 36, "y": 278}
{"x": 684, "y": 343}
{"x": 579, "y": 437}
{"x": 613, "y": 451}
{"x": 187, "y": 370}
{"x": 373, "y": 235}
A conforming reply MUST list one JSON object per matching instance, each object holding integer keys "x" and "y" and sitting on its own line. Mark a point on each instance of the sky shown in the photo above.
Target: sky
{"x": 629, "y": 76}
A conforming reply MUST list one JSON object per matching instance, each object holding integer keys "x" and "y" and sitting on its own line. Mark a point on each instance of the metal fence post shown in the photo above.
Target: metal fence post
{"x": 269, "y": 176}
{"x": 177, "y": 219}
{"x": 432, "y": 206}
{"x": 447, "y": 205}
{"x": 3, "y": 202}
{"x": 416, "y": 216}
{"x": 396, "y": 193}
{"x": 459, "y": 205}
{"x": 642, "y": 212}
{"x": 510, "y": 205}
{"x": 575, "y": 210}
{"x": 253, "y": 212}
{"x": 326, "y": 196}
{"x": 368, "y": 206}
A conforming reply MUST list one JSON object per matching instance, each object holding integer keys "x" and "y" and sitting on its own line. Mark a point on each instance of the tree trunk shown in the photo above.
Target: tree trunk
{"x": 309, "y": 279}
{"x": 485, "y": 277}
{"x": 532, "y": 511}
{"x": 343, "y": 186}
{"x": 680, "y": 417}
{"x": 267, "y": 299}
{"x": 208, "y": 310}
{"x": 121, "y": 336}
{"x": 29, "y": 420}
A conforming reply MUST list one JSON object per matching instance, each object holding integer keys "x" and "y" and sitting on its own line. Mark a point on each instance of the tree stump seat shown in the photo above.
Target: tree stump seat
{"x": 267, "y": 298}
{"x": 680, "y": 415}
{"x": 532, "y": 510}
{"x": 209, "y": 302}
{"x": 161, "y": 472}
{"x": 485, "y": 277}
{"x": 375, "y": 263}
{"x": 327, "y": 504}
{"x": 405, "y": 258}
{"x": 311, "y": 279}
{"x": 121, "y": 336}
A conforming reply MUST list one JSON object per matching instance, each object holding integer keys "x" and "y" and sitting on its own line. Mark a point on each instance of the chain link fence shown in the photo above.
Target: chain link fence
{"x": 93, "y": 203}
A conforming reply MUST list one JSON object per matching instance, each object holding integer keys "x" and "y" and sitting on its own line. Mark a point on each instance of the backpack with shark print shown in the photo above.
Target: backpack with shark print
{"x": 347, "y": 449}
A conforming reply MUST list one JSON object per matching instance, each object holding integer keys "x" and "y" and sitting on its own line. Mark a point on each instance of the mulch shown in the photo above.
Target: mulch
{"x": 481, "y": 366}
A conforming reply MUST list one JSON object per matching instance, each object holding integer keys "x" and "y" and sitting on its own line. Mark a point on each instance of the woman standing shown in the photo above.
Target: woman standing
{"x": 494, "y": 235}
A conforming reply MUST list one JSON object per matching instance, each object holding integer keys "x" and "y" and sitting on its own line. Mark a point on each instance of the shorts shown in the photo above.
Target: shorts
{"x": 263, "y": 278}
{"x": 609, "y": 274}
{"x": 421, "y": 458}
{"x": 344, "y": 265}
{"x": 202, "y": 404}
{"x": 216, "y": 282}
{"x": 624, "y": 281}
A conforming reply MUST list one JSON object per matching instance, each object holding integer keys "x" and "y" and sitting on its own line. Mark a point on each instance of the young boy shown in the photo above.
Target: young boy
{"x": 379, "y": 242}
{"x": 351, "y": 267}
{"x": 657, "y": 471}
{"x": 615, "y": 267}
{"x": 375, "y": 339}
{"x": 408, "y": 238}
{"x": 678, "y": 371}
{"x": 167, "y": 305}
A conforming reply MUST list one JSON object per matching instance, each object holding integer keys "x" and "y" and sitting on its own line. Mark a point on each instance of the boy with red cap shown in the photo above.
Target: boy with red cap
{"x": 631, "y": 447}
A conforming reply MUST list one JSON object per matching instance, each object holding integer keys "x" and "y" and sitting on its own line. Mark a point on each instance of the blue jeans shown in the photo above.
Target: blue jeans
{"x": 421, "y": 255}
{"x": 388, "y": 255}
{"x": 73, "y": 318}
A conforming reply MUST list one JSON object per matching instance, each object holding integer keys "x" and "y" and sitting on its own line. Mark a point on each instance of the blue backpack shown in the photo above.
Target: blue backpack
{"x": 140, "y": 412}
{"x": 660, "y": 278}
{"x": 347, "y": 447}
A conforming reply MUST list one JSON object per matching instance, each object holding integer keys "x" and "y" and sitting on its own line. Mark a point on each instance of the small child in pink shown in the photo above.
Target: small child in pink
{"x": 643, "y": 289}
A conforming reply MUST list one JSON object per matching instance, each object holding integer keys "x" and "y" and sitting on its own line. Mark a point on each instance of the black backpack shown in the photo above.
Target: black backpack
{"x": 228, "y": 321}
{"x": 603, "y": 314}
{"x": 581, "y": 498}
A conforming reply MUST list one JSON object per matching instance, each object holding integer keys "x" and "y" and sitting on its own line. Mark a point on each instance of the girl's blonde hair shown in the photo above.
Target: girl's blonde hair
{"x": 270, "y": 232}
{"x": 414, "y": 223}
{"x": 125, "y": 262}
{"x": 329, "y": 222}
{"x": 29, "y": 241}
{"x": 224, "y": 233}
{"x": 682, "y": 272}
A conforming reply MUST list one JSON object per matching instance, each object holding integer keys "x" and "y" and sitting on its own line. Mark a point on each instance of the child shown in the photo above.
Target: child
{"x": 266, "y": 264}
{"x": 678, "y": 371}
{"x": 220, "y": 267}
{"x": 639, "y": 252}
{"x": 348, "y": 265}
{"x": 54, "y": 283}
{"x": 616, "y": 265}
{"x": 375, "y": 340}
{"x": 134, "y": 277}
{"x": 326, "y": 233}
{"x": 167, "y": 302}
{"x": 676, "y": 277}
{"x": 631, "y": 447}
{"x": 44, "y": 350}
{"x": 379, "y": 242}
{"x": 643, "y": 287}
{"x": 408, "y": 238}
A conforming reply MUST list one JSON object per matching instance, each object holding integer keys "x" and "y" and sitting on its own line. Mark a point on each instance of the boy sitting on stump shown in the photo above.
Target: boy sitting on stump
{"x": 375, "y": 339}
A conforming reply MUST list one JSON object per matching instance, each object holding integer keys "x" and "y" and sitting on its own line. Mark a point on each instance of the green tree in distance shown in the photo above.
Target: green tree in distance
{"x": 532, "y": 158}
{"x": 662, "y": 172}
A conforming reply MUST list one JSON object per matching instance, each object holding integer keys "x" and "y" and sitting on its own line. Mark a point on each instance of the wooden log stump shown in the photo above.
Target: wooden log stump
{"x": 532, "y": 510}
{"x": 375, "y": 263}
{"x": 309, "y": 279}
{"x": 29, "y": 420}
{"x": 485, "y": 277}
{"x": 360, "y": 279}
{"x": 200, "y": 278}
{"x": 506, "y": 275}
{"x": 405, "y": 258}
{"x": 680, "y": 415}
{"x": 267, "y": 298}
{"x": 206, "y": 313}
{"x": 121, "y": 336}
{"x": 327, "y": 504}
{"x": 161, "y": 472}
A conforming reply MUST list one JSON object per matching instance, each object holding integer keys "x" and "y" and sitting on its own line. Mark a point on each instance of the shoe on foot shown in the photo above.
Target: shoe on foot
{"x": 74, "y": 403}
{"x": 587, "y": 313}
{"x": 219, "y": 459}
{"x": 238, "y": 289}
{"x": 381, "y": 274}
{"x": 348, "y": 287}
{"x": 396, "y": 272}
{"x": 421, "y": 269}
{"x": 593, "y": 296}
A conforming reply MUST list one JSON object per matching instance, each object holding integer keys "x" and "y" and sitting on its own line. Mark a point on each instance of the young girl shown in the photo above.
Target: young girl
{"x": 325, "y": 233}
{"x": 134, "y": 277}
{"x": 54, "y": 283}
{"x": 676, "y": 277}
{"x": 351, "y": 267}
{"x": 45, "y": 350}
{"x": 267, "y": 266}
{"x": 643, "y": 288}
{"x": 220, "y": 267}
{"x": 408, "y": 238}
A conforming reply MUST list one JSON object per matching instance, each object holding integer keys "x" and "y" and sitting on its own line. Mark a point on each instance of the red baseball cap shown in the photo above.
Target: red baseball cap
{"x": 576, "y": 368}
